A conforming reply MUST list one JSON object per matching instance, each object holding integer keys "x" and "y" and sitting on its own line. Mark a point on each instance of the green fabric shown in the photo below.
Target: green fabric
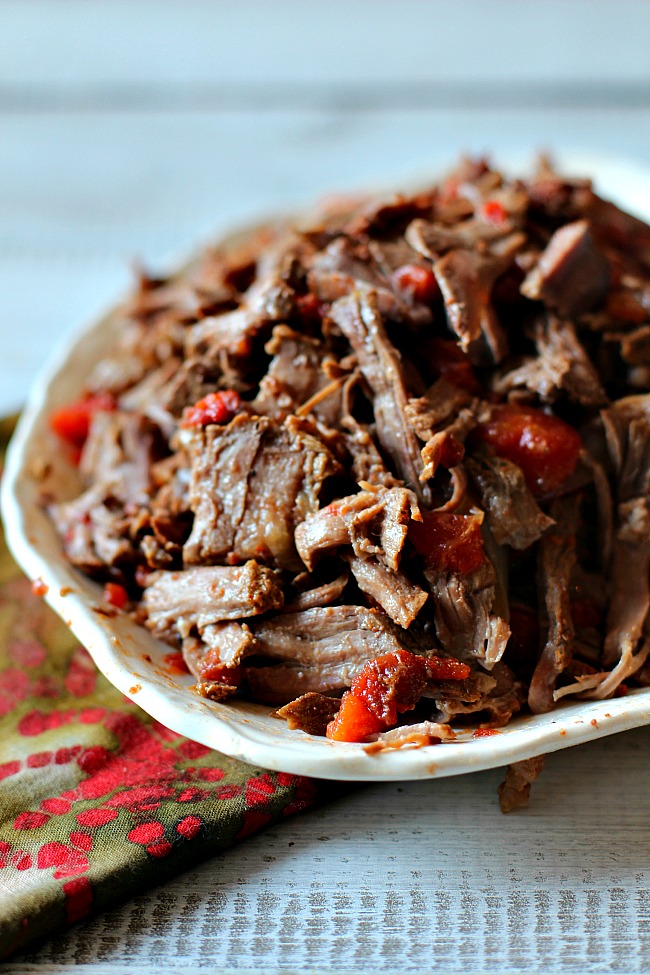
{"x": 97, "y": 799}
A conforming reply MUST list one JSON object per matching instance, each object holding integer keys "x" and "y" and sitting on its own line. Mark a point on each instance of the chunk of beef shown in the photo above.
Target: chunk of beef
{"x": 443, "y": 417}
{"x": 119, "y": 453}
{"x": 514, "y": 791}
{"x": 634, "y": 345}
{"x": 193, "y": 381}
{"x": 345, "y": 266}
{"x": 388, "y": 215}
{"x": 400, "y": 598}
{"x": 466, "y": 279}
{"x": 462, "y": 606}
{"x": 269, "y": 300}
{"x": 197, "y": 597}
{"x": 253, "y": 482}
{"x": 294, "y": 377}
{"x": 438, "y": 408}
{"x": 614, "y": 228}
{"x": 367, "y": 464}
{"x": 330, "y": 635}
{"x": 358, "y": 318}
{"x": 556, "y": 559}
{"x": 310, "y": 713}
{"x": 374, "y": 522}
{"x": 416, "y": 735}
{"x": 493, "y": 697}
{"x": 220, "y": 645}
{"x": 95, "y": 532}
{"x": 432, "y": 239}
{"x": 561, "y": 366}
{"x": 513, "y": 515}
{"x": 572, "y": 275}
{"x": 221, "y": 460}
{"x": 318, "y": 650}
{"x": 323, "y": 595}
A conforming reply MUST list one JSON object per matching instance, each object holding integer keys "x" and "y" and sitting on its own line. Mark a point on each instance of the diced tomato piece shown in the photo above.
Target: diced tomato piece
{"x": 386, "y": 687}
{"x": 452, "y": 364}
{"x": 354, "y": 721}
{"x": 176, "y": 663}
{"x": 452, "y": 452}
{"x": 545, "y": 447}
{"x": 115, "y": 595}
{"x": 446, "y": 668}
{"x": 493, "y": 211}
{"x": 213, "y": 670}
{"x": 218, "y": 407}
{"x": 391, "y": 684}
{"x": 72, "y": 422}
{"x": 418, "y": 282}
{"x": 449, "y": 542}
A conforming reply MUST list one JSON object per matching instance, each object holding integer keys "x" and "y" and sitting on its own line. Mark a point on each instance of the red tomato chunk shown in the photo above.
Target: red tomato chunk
{"x": 218, "y": 408}
{"x": 115, "y": 595}
{"x": 72, "y": 422}
{"x": 494, "y": 212}
{"x": 386, "y": 687}
{"x": 212, "y": 669}
{"x": 418, "y": 282}
{"x": 451, "y": 543}
{"x": 545, "y": 447}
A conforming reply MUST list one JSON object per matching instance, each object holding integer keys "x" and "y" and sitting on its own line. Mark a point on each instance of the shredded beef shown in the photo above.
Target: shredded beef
{"x": 513, "y": 514}
{"x": 253, "y": 482}
{"x": 373, "y": 522}
{"x": 556, "y": 561}
{"x": 561, "y": 366}
{"x": 572, "y": 275}
{"x": 358, "y": 318}
{"x": 514, "y": 791}
{"x": 386, "y": 431}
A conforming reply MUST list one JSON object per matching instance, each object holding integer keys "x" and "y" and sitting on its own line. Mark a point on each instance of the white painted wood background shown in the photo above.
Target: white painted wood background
{"x": 134, "y": 128}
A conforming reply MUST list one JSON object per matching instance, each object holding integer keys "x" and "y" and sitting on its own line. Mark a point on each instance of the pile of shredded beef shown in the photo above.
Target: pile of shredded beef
{"x": 302, "y": 459}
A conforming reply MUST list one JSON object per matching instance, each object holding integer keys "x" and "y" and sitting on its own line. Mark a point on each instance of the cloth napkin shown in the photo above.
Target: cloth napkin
{"x": 97, "y": 799}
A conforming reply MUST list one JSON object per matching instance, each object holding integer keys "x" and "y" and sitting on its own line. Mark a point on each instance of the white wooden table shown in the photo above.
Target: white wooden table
{"x": 133, "y": 128}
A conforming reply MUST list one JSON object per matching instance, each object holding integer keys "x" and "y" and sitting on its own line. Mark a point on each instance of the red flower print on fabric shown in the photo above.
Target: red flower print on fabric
{"x": 258, "y": 789}
{"x": 96, "y": 817}
{"x": 30, "y": 820}
{"x": 189, "y": 827}
{"x": 27, "y": 653}
{"x": 14, "y": 688}
{"x": 67, "y": 860}
{"x": 82, "y": 674}
{"x": 78, "y": 899}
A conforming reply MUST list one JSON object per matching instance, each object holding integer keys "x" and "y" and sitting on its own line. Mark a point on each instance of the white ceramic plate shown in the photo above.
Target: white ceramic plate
{"x": 135, "y": 662}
